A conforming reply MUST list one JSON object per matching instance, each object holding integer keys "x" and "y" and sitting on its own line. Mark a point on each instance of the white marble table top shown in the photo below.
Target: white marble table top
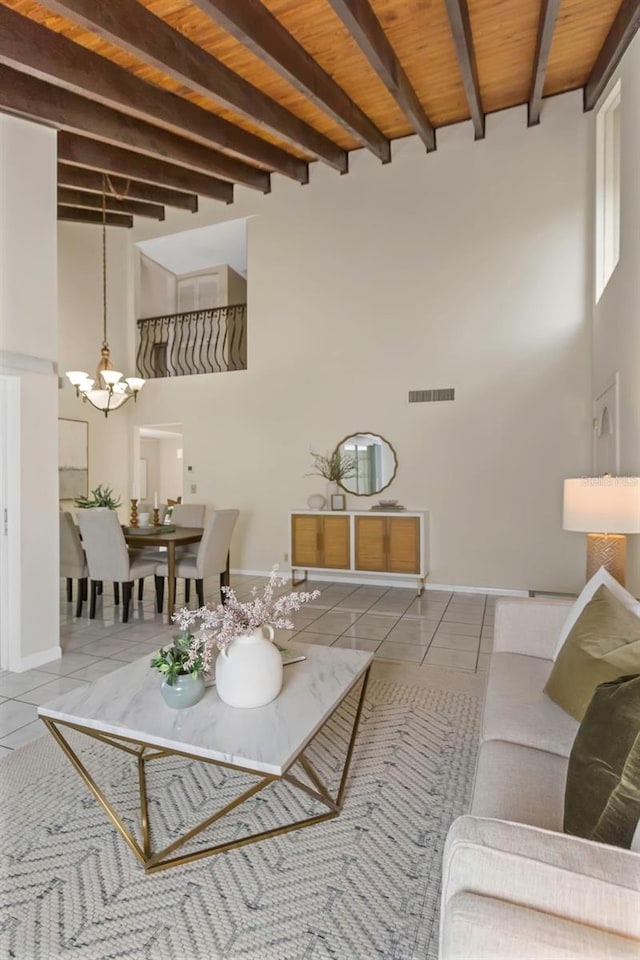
{"x": 128, "y": 702}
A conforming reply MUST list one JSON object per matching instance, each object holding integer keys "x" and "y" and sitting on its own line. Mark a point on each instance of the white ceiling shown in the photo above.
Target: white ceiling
{"x": 201, "y": 249}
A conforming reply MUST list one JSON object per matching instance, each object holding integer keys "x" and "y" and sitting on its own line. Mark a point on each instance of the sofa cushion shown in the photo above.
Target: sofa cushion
{"x": 604, "y": 644}
{"x": 602, "y": 800}
{"x": 484, "y": 928}
{"x": 601, "y": 577}
{"x": 520, "y": 784}
{"x": 516, "y": 708}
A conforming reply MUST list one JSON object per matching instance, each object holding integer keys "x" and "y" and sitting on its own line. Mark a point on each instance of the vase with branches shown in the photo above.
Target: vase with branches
{"x": 334, "y": 467}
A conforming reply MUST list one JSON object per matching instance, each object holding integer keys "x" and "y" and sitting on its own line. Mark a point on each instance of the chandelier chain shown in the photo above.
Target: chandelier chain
{"x": 104, "y": 260}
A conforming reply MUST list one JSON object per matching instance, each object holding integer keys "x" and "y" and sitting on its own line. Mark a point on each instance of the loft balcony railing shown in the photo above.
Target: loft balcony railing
{"x": 187, "y": 344}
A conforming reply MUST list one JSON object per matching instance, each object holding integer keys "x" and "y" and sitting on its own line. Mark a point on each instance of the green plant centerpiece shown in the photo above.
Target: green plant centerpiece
{"x": 333, "y": 467}
{"x": 102, "y": 496}
{"x": 182, "y": 671}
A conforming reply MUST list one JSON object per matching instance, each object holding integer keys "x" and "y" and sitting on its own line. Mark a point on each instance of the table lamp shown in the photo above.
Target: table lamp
{"x": 606, "y": 509}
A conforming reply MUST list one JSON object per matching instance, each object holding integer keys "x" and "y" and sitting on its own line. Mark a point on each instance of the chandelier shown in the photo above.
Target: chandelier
{"x": 109, "y": 390}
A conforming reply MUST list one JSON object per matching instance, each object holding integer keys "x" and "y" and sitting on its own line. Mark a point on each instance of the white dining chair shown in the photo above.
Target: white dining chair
{"x": 108, "y": 557}
{"x": 212, "y": 557}
{"x": 73, "y": 563}
{"x": 187, "y": 515}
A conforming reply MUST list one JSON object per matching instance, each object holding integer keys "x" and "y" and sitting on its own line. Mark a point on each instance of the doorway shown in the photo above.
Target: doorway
{"x": 160, "y": 466}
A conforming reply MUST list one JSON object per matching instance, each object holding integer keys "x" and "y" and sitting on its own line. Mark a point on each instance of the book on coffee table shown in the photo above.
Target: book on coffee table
{"x": 289, "y": 656}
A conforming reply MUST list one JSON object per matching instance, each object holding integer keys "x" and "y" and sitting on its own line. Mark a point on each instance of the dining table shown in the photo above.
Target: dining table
{"x": 179, "y": 537}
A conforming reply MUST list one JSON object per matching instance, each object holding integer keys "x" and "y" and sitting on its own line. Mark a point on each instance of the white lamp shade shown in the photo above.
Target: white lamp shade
{"x": 135, "y": 383}
{"x": 602, "y": 505}
{"x": 76, "y": 376}
{"x": 110, "y": 376}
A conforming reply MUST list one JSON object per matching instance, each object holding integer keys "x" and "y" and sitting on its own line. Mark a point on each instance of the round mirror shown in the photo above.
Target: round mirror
{"x": 373, "y": 466}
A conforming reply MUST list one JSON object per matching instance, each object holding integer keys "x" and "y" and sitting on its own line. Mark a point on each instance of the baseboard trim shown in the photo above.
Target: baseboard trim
{"x": 35, "y": 660}
{"x": 373, "y": 581}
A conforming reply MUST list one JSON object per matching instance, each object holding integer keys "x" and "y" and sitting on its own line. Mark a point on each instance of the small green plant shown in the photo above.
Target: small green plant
{"x": 172, "y": 661}
{"x": 335, "y": 467}
{"x": 100, "y": 497}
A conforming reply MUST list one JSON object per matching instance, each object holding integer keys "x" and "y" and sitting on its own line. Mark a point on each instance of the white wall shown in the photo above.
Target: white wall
{"x": 28, "y": 351}
{"x": 616, "y": 327}
{"x": 468, "y": 269}
{"x": 80, "y": 305}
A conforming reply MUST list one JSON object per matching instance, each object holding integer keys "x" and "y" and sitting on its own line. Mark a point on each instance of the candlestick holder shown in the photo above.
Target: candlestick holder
{"x": 156, "y": 517}
{"x": 134, "y": 513}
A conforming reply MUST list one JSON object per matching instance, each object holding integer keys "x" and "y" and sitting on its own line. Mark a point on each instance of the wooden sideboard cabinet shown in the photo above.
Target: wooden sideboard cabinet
{"x": 356, "y": 541}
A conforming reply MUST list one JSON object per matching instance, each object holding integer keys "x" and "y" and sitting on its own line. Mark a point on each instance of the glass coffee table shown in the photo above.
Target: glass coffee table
{"x": 126, "y": 711}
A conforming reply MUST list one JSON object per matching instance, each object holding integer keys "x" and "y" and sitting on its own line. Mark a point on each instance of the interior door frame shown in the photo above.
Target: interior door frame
{"x": 10, "y": 582}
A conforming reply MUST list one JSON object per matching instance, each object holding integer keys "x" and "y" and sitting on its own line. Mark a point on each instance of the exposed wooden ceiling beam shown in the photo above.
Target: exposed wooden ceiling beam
{"x": 83, "y": 152}
{"x": 546, "y": 26}
{"x": 127, "y": 24}
{"x": 622, "y": 32}
{"x": 81, "y": 215}
{"x": 458, "y": 11}
{"x": 90, "y": 180}
{"x": 364, "y": 26}
{"x": 31, "y": 97}
{"x": 257, "y": 29}
{"x": 93, "y": 201}
{"x": 31, "y": 48}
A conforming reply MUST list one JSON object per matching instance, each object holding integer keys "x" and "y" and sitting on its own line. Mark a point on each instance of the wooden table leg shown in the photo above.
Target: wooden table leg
{"x": 171, "y": 568}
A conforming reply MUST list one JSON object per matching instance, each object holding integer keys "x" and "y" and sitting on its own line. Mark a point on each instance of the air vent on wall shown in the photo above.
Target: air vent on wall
{"x": 431, "y": 396}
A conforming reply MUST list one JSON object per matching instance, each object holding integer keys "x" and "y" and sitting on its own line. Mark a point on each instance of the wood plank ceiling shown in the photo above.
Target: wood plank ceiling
{"x": 165, "y": 100}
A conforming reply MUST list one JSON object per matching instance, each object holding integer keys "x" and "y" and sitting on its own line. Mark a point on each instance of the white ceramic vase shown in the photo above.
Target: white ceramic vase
{"x": 249, "y": 670}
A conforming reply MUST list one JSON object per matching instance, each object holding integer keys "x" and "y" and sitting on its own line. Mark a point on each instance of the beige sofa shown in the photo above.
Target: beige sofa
{"x": 514, "y": 886}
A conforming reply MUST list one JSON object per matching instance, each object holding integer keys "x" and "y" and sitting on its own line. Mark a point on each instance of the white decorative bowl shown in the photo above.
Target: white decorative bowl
{"x": 316, "y": 501}
{"x": 387, "y": 503}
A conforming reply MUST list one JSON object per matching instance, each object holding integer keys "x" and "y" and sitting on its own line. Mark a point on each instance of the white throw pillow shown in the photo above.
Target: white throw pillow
{"x": 601, "y": 576}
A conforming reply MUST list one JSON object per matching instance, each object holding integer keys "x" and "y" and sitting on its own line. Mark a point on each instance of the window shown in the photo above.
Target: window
{"x": 607, "y": 189}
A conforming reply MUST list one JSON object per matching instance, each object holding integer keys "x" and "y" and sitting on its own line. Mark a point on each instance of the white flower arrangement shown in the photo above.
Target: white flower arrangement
{"x": 221, "y": 624}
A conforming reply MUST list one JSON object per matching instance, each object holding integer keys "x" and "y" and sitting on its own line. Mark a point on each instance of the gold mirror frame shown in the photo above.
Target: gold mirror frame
{"x": 370, "y": 433}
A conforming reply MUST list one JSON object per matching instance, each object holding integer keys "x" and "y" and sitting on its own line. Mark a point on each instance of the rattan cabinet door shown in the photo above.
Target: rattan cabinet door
{"x": 371, "y": 543}
{"x": 403, "y": 544}
{"x": 306, "y": 540}
{"x": 336, "y": 548}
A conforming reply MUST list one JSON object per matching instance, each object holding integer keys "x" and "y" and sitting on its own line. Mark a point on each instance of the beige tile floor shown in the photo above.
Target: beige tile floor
{"x": 437, "y": 630}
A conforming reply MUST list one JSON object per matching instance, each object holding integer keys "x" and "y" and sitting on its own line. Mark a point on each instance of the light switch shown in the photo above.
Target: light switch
{"x": 194, "y": 488}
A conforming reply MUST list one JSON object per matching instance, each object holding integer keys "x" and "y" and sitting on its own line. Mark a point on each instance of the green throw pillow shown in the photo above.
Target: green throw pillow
{"x": 602, "y": 797}
{"x": 604, "y": 644}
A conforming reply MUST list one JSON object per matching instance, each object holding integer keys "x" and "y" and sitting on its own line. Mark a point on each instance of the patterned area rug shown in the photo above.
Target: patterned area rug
{"x": 364, "y": 886}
